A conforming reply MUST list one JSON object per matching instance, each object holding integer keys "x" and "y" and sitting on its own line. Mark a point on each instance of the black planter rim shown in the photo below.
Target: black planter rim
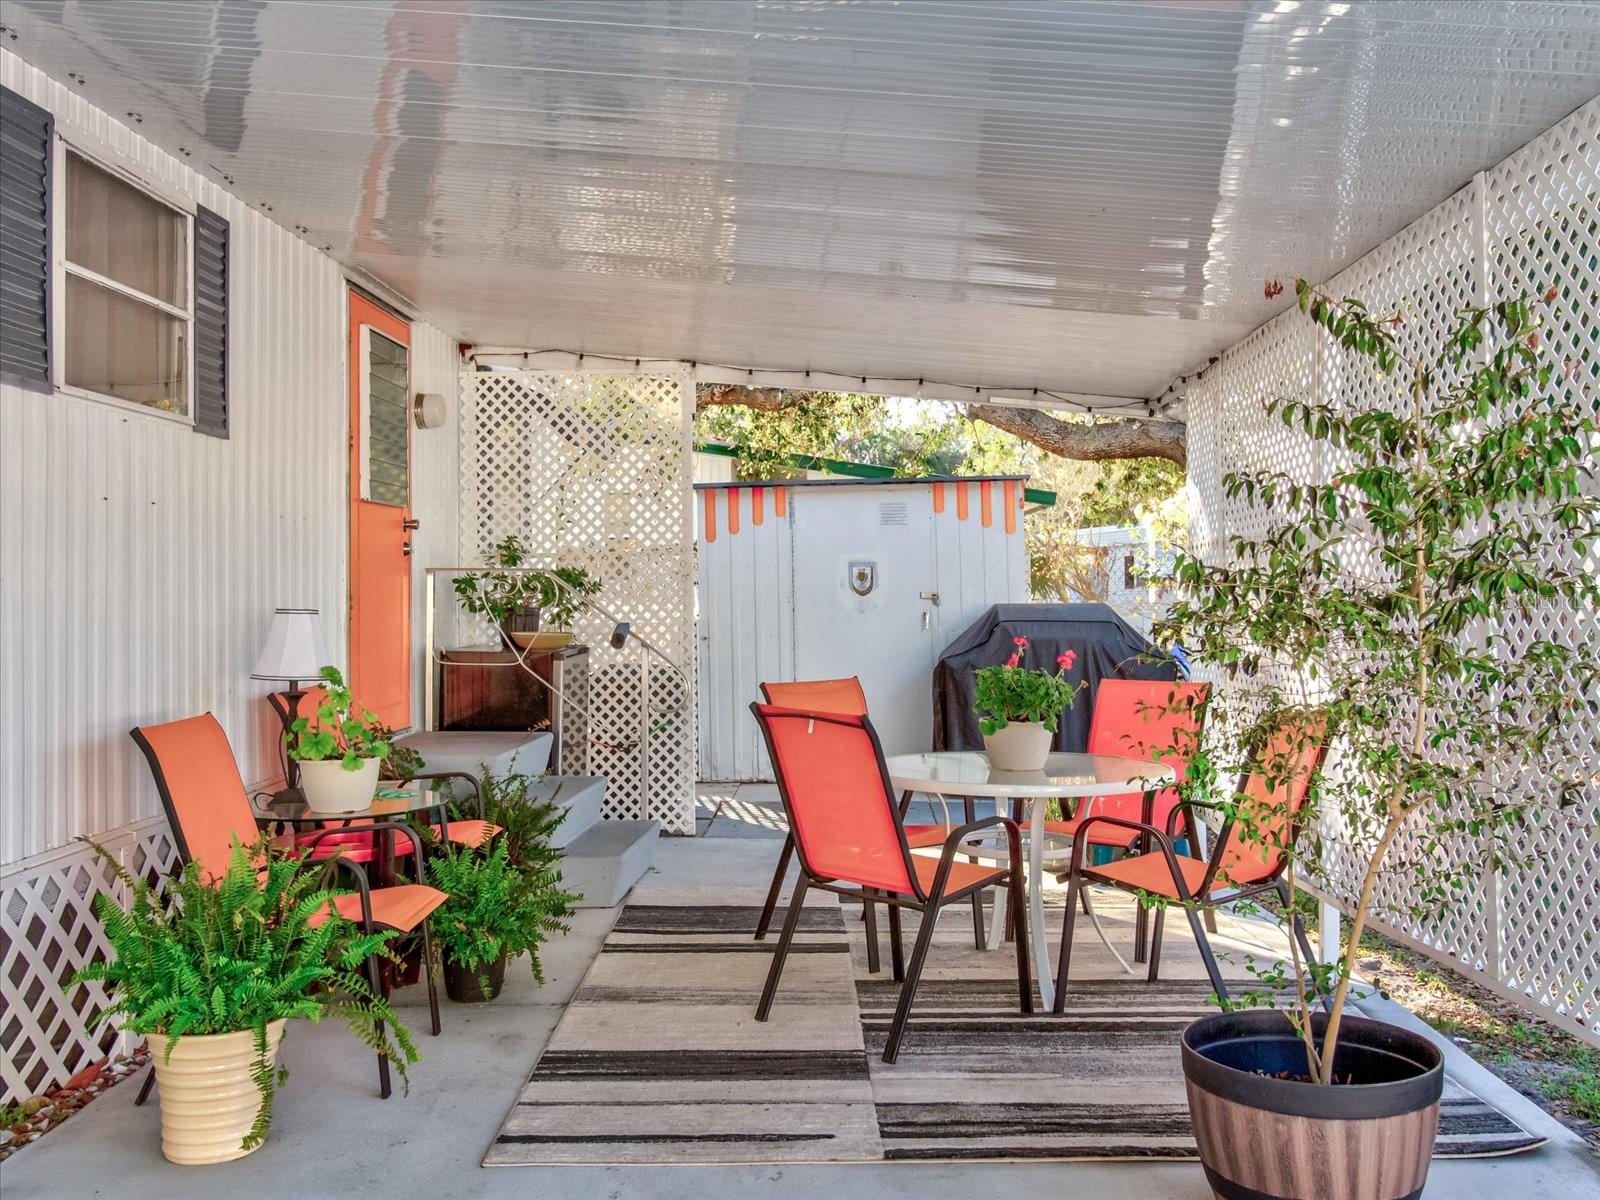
{"x": 1335, "y": 1102}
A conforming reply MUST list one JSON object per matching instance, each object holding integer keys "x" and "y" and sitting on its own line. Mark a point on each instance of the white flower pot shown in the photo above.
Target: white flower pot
{"x": 1020, "y": 746}
{"x": 209, "y": 1097}
{"x": 329, "y": 788}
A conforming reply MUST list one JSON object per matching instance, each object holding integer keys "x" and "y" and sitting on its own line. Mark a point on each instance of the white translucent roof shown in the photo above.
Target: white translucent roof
{"x": 1087, "y": 197}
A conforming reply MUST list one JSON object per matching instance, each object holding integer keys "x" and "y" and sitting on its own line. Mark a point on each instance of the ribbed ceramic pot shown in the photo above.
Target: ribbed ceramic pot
{"x": 329, "y": 788}
{"x": 209, "y": 1097}
{"x": 1266, "y": 1137}
{"x": 1020, "y": 746}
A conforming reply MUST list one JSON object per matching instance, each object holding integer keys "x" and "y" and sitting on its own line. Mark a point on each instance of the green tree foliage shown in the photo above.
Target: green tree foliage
{"x": 1399, "y": 599}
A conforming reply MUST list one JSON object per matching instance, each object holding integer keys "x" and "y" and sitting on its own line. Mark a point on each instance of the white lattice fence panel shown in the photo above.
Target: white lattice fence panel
{"x": 593, "y": 470}
{"x": 1542, "y": 216}
{"x": 47, "y": 931}
{"x": 1530, "y": 224}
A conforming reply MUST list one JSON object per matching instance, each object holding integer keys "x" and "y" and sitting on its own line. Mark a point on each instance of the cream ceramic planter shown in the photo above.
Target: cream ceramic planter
{"x": 329, "y": 788}
{"x": 1020, "y": 746}
{"x": 209, "y": 1097}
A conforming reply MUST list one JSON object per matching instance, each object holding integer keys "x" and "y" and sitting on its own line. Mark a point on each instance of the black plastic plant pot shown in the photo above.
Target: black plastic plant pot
{"x": 466, "y": 985}
{"x": 1266, "y": 1135}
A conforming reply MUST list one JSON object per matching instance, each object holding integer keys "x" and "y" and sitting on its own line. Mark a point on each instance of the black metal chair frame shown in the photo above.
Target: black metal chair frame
{"x": 927, "y": 903}
{"x": 363, "y": 888}
{"x": 1191, "y": 903}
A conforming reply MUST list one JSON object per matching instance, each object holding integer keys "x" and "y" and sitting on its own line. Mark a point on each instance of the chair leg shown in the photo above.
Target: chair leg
{"x": 1158, "y": 926}
{"x": 869, "y": 914}
{"x": 149, "y": 1083}
{"x": 431, "y": 975}
{"x": 908, "y": 989}
{"x": 1064, "y": 962}
{"x": 897, "y": 950}
{"x": 1210, "y": 960}
{"x": 776, "y": 889}
{"x": 1019, "y": 916}
{"x": 791, "y": 922}
{"x": 980, "y": 936}
{"x": 1299, "y": 927}
{"x": 373, "y": 977}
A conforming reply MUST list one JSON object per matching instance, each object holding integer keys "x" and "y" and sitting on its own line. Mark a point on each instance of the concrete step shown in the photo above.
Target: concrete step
{"x": 607, "y": 859}
{"x": 472, "y": 750}
{"x": 582, "y": 797}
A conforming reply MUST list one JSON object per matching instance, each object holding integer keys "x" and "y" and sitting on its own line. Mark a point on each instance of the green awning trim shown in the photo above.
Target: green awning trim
{"x": 838, "y": 466}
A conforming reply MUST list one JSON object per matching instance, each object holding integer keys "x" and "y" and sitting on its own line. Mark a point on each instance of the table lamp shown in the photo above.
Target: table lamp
{"x": 294, "y": 650}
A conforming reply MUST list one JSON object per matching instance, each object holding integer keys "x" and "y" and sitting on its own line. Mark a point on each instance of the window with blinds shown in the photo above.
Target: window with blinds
{"x": 388, "y": 410}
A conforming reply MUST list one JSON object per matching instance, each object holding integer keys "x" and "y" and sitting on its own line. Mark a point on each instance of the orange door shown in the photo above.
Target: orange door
{"x": 380, "y": 511}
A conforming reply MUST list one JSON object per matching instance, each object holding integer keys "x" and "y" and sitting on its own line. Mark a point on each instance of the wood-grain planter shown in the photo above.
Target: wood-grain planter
{"x": 1266, "y": 1138}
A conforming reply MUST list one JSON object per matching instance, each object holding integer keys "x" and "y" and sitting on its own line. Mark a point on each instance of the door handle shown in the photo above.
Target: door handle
{"x": 930, "y": 597}
{"x": 405, "y": 548}
{"x": 410, "y": 523}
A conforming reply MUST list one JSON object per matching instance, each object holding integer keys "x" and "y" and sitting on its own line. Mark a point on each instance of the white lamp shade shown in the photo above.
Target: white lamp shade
{"x": 294, "y": 648}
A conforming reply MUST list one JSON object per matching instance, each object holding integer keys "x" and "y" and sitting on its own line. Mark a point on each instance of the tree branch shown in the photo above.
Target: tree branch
{"x": 1096, "y": 442}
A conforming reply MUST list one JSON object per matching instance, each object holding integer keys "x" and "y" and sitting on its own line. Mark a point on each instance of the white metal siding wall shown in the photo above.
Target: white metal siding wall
{"x": 139, "y": 566}
{"x": 747, "y": 581}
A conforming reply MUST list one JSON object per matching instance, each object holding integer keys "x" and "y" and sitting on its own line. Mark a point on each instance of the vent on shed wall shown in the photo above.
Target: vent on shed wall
{"x": 891, "y": 512}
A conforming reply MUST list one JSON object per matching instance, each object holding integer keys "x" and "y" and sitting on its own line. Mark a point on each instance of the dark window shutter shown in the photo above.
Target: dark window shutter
{"x": 26, "y": 154}
{"x": 210, "y": 323}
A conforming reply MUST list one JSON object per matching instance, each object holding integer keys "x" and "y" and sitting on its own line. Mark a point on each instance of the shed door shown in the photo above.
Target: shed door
{"x": 861, "y": 559}
{"x": 380, "y": 511}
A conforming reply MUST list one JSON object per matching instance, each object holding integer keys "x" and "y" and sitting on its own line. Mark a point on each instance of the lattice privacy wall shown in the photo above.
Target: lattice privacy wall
{"x": 594, "y": 470}
{"x": 1529, "y": 223}
{"x": 47, "y": 931}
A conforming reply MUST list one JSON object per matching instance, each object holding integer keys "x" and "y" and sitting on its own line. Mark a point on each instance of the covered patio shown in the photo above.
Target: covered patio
{"x": 388, "y": 323}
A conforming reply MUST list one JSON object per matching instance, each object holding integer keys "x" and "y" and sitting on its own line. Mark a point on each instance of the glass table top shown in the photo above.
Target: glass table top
{"x": 968, "y": 773}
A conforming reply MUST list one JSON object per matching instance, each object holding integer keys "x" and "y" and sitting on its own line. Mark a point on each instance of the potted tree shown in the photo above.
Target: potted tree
{"x": 1396, "y": 599}
{"x": 1020, "y": 709}
{"x": 496, "y": 910}
{"x": 340, "y": 749}
{"x": 518, "y": 600}
{"x": 209, "y": 970}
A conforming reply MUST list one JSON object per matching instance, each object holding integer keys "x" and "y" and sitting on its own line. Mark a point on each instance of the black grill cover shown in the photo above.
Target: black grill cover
{"x": 1107, "y": 646}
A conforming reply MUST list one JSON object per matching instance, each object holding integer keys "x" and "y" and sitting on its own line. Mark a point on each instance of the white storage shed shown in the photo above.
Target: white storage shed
{"x": 818, "y": 579}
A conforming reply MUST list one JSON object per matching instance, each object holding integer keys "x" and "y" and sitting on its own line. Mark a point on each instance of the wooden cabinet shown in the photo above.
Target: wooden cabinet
{"x": 481, "y": 688}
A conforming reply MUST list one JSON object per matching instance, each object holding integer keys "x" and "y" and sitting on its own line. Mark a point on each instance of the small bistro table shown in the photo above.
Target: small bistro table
{"x": 967, "y": 774}
{"x": 417, "y": 798}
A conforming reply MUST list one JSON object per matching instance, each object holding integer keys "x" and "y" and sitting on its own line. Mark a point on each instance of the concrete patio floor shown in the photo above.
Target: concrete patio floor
{"x": 332, "y": 1136}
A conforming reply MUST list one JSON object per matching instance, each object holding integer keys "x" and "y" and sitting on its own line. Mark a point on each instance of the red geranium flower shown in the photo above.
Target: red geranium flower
{"x": 1014, "y": 660}
{"x": 1066, "y": 658}
{"x": 1019, "y": 641}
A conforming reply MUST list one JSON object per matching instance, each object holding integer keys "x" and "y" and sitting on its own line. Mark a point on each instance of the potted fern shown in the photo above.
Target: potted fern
{"x": 1398, "y": 599}
{"x": 496, "y": 911}
{"x": 1019, "y": 709}
{"x": 340, "y": 748}
{"x": 210, "y": 970}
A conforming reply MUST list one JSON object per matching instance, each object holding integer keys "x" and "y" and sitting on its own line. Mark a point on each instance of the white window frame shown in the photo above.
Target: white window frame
{"x": 104, "y": 158}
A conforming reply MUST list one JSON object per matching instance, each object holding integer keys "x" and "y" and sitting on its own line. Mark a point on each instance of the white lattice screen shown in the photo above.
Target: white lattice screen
{"x": 594, "y": 470}
{"x": 48, "y": 931}
{"x": 1530, "y": 223}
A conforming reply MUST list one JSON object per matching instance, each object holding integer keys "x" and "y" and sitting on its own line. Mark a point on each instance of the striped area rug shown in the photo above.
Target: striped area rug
{"x": 659, "y": 1059}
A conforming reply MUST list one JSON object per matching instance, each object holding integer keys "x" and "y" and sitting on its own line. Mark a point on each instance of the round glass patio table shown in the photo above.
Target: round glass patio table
{"x": 1066, "y": 776}
{"x": 405, "y": 799}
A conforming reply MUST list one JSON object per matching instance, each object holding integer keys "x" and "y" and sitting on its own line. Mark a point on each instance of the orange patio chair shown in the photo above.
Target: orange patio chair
{"x": 208, "y": 809}
{"x": 360, "y": 847}
{"x": 845, "y": 697}
{"x": 1244, "y": 860}
{"x": 852, "y": 841}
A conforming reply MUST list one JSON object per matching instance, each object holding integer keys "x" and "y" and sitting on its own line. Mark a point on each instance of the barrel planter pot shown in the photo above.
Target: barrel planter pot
{"x": 468, "y": 985}
{"x": 1262, "y": 1137}
{"x": 209, "y": 1095}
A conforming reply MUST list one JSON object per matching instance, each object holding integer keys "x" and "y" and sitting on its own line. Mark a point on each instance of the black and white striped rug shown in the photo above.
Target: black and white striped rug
{"x": 659, "y": 1058}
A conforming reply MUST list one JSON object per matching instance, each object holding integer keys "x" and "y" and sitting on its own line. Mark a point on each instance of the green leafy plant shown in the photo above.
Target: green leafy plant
{"x": 496, "y": 908}
{"x": 1012, "y": 692}
{"x": 340, "y": 728}
{"x": 499, "y": 595}
{"x": 527, "y": 818}
{"x": 1398, "y": 597}
{"x": 402, "y": 762}
{"x": 233, "y": 954}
